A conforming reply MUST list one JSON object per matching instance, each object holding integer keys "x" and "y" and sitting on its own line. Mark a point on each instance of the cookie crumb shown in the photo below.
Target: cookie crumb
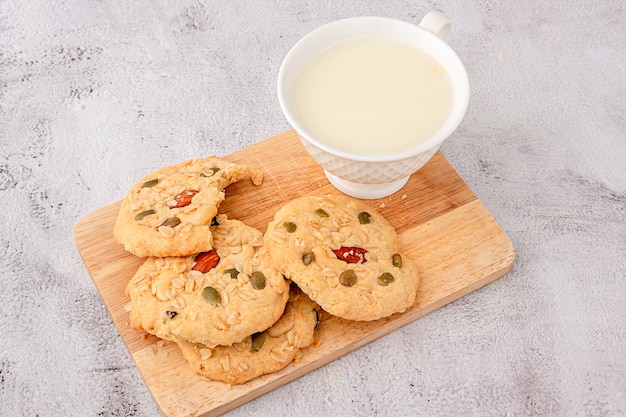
{"x": 404, "y": 196}
{"x": 501, "y": 56}
{"x": 256, "y": 177}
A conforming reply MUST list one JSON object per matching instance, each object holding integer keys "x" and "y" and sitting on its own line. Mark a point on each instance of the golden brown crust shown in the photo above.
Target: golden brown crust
{"x": 246, "y": 360}
{"x": 169, "y": 212}
{"x": 170, "y": 300}
{"x": 302, "y": 240}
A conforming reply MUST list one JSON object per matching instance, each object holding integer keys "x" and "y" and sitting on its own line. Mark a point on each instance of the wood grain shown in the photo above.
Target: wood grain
{"x": 458, "y": 245}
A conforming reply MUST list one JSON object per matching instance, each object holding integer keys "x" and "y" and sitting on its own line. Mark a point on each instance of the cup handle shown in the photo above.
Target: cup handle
{"x": 437, "y": 23}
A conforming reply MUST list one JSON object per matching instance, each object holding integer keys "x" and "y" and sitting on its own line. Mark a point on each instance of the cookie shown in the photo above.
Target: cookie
{"x": 215, "y": 298}
{"x": 344, "y": 255}
{"x": 169, "y": 212}
{"x": 261, "y": 353}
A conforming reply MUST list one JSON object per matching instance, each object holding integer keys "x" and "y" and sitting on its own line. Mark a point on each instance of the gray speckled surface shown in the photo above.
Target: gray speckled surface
{"x": 94, "y": 94}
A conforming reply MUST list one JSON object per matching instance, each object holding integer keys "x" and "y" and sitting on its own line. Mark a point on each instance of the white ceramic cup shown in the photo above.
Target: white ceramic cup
{"x": 374, "y": 176}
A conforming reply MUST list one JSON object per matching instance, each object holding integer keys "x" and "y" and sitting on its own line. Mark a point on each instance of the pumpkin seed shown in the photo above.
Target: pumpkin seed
{"x": 211, "y": 295}
{"x": 290, "y": 227}
{"x": 214, "y": 170}
{"x": 258, "y": 339}
{"x": 364, "y": 217}
{"x": 321, "y": 212}
{"x": 150, "y": 183}
{"x": 396, "y": 260}
{"x": 307, "y": 258}
{"x": 347, "y": 278}
{"x": 143, "y": 214}
{"x": 257, "y": 279}
{"x": 171, "y": 222}
{"x": 385, "y": 279}
{"x": 233, "y": 272}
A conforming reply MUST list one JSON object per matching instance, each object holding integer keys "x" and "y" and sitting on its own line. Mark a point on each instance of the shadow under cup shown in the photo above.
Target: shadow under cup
{"x": 371, "y": 176}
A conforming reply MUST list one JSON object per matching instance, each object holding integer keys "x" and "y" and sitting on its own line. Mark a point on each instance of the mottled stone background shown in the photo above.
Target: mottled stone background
{"x": 96, "y": 93}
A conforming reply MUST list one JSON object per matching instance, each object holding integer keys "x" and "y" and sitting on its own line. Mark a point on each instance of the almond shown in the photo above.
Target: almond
{"x": 184, "y": 199}
{"x": 206, "y": 261}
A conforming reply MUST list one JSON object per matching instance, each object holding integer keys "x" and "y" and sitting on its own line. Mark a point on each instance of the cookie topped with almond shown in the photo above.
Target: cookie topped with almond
{"x": 344, "y": 255}
{"x": 217, "y": 297}
{"x": 169, "y": 212}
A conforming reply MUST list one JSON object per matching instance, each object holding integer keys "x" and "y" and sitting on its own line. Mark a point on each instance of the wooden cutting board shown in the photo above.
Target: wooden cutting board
{"x": 456, "y": 243}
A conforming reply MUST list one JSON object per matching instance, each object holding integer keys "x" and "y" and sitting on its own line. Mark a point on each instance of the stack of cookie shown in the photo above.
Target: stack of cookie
{"x": 208, "y": 282}
{"x": 240, "y": 303}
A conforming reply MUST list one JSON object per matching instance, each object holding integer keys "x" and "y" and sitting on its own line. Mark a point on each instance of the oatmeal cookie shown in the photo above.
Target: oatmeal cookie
{"x": 261, "y": 353}
{"x": 344, "y": 255}
{"x": 217, "y": 297}
{"x": 169, "y": 212}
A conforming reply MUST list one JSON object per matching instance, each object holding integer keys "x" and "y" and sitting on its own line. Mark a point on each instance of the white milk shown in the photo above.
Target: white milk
{"x": 373, "y": 96}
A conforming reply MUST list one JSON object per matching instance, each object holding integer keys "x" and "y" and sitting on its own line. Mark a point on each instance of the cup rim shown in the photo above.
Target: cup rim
{"x": 461, "y": 97}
